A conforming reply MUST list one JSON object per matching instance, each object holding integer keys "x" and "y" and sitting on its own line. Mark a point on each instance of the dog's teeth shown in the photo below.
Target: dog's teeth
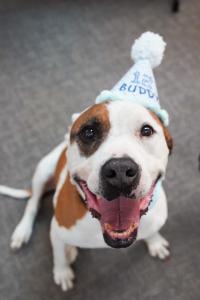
{"x": 120, "y": 235}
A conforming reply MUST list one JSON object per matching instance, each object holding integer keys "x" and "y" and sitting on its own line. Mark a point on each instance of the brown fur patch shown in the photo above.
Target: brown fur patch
{"x": 69, "y": 207}
{"x": 168, "y": 137}
{"x": 96, "y": 115}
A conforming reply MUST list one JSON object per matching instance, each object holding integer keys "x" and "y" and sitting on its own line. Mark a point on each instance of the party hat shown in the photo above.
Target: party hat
{"x": 138, "y": 84}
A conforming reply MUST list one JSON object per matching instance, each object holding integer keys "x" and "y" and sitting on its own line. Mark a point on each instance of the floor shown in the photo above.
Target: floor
{"x": 55, "y": 57}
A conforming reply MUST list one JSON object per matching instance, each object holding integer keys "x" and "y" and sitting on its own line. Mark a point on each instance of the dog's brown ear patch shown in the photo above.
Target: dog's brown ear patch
{"x": 168, "y": 137}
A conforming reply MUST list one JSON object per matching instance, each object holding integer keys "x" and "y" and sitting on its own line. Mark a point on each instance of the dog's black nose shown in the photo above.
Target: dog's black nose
{"x": 119, "y": 176}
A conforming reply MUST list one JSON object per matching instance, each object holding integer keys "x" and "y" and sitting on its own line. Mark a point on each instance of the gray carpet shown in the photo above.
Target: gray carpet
{"x": 55, "y": 57}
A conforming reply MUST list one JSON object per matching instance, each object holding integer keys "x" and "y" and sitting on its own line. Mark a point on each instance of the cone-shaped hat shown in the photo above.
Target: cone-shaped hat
{"x": 138, "y": 84}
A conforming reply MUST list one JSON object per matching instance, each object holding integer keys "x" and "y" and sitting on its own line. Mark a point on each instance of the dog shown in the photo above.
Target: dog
{"x": 104, "y": 174}
{"x": 107, "y": 173}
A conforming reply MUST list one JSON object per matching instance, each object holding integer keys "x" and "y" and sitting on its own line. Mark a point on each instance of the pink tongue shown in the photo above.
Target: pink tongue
{"x": 120, "y": 213}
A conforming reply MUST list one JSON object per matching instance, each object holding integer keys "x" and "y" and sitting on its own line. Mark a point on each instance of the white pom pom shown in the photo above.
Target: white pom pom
{"x": 149, "y": 46}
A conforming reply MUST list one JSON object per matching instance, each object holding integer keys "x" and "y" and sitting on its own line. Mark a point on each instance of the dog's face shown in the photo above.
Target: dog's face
{"x": 117, "y": 153}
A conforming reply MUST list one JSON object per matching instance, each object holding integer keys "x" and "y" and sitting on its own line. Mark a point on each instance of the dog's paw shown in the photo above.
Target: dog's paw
{"x": 21, "y": 235}
{"x": 64, "y": 277}
{"x": 71, "y": 252}
{"x": 158, "y": 246}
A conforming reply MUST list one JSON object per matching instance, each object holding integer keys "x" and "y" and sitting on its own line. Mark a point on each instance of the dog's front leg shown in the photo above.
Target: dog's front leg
{"x": 158, "y": 246}
{"x": 150, "y": 226}
{"x": 62, "y": 272}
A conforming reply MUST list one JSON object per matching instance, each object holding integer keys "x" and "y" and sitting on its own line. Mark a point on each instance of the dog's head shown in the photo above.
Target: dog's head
{"x": 117, "y": 153}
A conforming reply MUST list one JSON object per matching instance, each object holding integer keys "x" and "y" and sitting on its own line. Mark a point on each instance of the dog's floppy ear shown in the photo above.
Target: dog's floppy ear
{"x": 167, "y": 134}
{"x": 168, "y": 138}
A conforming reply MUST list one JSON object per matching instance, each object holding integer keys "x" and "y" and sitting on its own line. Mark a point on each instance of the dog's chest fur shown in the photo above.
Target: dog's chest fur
{"x": 86, "y": 233}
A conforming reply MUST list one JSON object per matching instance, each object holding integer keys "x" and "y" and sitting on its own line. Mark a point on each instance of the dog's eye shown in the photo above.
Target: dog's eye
{"x": 146, "y": 130}
{"x": 88, "y": 134}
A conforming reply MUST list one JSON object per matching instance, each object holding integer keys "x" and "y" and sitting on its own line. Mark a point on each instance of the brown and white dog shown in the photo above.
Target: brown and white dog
{"x": 104, "y": 174}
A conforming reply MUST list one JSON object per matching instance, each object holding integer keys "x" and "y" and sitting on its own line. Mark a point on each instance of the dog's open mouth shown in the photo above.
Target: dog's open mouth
{"x": 120, "y": 217}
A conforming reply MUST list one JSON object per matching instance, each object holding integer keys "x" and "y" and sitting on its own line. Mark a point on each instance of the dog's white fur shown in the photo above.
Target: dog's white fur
{"x": 151, "y": 154}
